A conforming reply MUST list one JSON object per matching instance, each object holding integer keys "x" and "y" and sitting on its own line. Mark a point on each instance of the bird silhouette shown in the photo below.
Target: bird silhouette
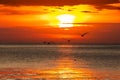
{"x": 82, "y": 35}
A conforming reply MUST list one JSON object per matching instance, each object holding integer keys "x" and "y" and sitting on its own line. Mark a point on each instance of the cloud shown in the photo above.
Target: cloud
{"x": 88, "y": 12}
{"x": 16, "y": 12}
{"x": 107, "y": 7}
{"x": 12, "y": 10}
{"x": 98, "y": 4}
{"x": 56, "y": 2}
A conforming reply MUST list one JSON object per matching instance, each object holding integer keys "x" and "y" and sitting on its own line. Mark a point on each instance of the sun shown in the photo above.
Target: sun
{"x": 66, "y": 20}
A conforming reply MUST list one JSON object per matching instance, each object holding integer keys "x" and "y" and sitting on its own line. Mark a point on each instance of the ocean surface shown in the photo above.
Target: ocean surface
{"x": 59, "y": 62}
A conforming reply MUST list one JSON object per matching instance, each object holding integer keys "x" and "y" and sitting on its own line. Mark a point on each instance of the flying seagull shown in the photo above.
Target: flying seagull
{"x": 82, "y": 35}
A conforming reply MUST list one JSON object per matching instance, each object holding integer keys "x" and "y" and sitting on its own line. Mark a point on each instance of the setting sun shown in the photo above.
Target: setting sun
{"x": 66, "y": 20}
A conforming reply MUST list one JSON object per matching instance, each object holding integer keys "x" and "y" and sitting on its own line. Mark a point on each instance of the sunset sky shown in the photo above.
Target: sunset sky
{"x": 57, "y": 21}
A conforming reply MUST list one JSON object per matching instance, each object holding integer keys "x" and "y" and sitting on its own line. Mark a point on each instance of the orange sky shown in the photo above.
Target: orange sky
{"x": 36, "y": 21}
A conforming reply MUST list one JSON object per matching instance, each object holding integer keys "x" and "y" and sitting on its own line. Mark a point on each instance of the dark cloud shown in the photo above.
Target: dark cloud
{"x": 56, "y": 2}
{"x": 88, "y": 12}
{"x": 98, "y": 4}
{"x": 107, "y": 7}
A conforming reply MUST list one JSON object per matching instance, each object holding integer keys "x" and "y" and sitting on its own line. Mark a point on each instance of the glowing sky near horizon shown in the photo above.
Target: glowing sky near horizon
{"x": 42, "y": 16}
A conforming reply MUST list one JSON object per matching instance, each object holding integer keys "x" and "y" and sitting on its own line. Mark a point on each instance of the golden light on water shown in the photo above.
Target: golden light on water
{"x": 65, "y": 19}
{"x": 64, "y": 67}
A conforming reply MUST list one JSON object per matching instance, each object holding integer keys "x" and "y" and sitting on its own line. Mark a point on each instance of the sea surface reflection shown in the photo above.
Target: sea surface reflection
{"x": 60, "y": 62}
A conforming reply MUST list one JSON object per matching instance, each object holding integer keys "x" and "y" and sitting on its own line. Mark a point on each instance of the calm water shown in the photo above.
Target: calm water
{"x": 59, "y": 62}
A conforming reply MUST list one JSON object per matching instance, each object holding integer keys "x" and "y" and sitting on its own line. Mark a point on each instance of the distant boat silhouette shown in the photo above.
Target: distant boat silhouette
{"x": 82, "y": 35}
{"x": 48, "y": 42}
{"x": 68, "y": 41}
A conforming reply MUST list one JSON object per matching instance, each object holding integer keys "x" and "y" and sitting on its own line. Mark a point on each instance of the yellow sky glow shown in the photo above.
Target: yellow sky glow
{"x": 46, "y": 15}
{"x": 65, "y": 19}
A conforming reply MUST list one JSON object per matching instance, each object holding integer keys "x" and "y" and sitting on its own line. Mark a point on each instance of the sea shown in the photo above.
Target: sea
{"x": 59, "y": 62}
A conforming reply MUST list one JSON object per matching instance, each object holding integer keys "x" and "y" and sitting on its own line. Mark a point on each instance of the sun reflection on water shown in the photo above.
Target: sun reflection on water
{"x": 66, "y": 68}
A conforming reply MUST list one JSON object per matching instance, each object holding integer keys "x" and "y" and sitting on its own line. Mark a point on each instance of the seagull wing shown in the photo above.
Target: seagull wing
{"x": 82, "y": 35}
